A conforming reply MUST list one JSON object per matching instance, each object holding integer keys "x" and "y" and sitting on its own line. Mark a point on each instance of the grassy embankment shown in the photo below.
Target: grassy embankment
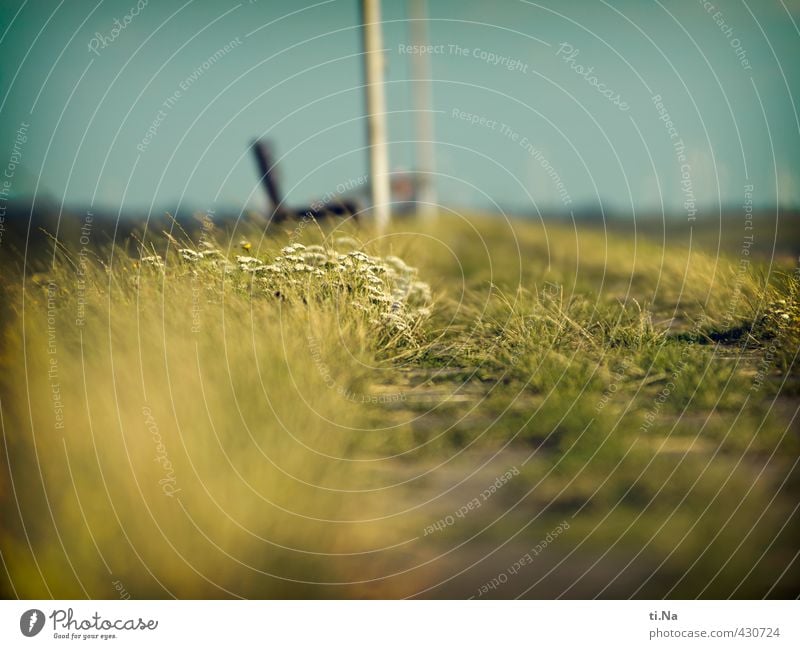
{"x": 197, "y": 426}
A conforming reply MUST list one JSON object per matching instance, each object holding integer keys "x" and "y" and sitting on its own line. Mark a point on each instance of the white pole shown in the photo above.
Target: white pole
{"x": 421, "y": 83}
{"x": 376, "y": 112}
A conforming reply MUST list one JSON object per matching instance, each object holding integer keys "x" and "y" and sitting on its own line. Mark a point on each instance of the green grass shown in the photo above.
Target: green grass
{"x": 312, "y": 416}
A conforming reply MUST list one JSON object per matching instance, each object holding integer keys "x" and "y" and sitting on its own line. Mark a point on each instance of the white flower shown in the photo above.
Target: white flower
{"x": 187, "y": 254}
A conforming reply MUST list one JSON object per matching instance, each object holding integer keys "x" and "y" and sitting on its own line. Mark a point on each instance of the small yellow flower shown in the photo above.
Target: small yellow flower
{"x": 245, "y": 245}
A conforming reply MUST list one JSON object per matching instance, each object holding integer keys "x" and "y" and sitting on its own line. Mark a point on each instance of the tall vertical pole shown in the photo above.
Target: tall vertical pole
{"x": 421, "y": 89}
{"x": 376, "y": 111}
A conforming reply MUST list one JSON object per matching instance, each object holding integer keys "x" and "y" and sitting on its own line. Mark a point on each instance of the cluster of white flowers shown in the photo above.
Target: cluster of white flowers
{"x": 780, "y": 316}
{"x": 186, "y": 254}
{"x": 385, "y": 291}
{"x": 152, "y": 260}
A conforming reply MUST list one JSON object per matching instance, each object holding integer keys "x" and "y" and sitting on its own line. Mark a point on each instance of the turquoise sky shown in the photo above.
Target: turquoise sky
{"x": 292, "y": 72}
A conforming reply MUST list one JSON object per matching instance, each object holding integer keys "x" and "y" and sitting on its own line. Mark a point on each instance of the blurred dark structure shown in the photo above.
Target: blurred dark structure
{"x": 340, "y": 207}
